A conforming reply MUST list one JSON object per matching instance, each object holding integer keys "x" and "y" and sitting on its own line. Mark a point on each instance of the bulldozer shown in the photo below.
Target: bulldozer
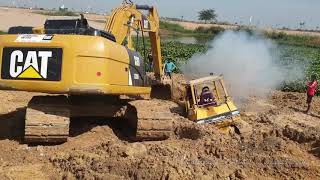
{"x": 212, "y": 104}
{"x": 207, "y": 101}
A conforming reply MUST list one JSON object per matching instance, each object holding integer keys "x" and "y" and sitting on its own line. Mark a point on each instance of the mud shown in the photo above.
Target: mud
{"x": 284, "y": 144}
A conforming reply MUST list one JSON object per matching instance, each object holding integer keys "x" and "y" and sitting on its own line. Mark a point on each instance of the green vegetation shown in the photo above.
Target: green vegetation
{"x": 296, "y": 40}
{"x": 308, "y": 59}
{"x": 57, "y": 13}
{"x": 209, "y": 31}
{"x": 301, "y": 52}
{"x": 173, "y": 27}
{"x": 180, "y": 52}
{"x": 298, "y": 49}
{"x": 286, "y": 39}
{"x": 177, "y": 29}
{"x": 1, "y": 32}
{"x": 176, "y": 51}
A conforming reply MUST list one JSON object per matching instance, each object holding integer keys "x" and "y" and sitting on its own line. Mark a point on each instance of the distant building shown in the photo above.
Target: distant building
{"x": 63, "y": 8}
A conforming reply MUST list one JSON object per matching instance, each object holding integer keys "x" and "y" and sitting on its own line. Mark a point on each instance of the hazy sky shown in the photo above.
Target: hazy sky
{"x": 277, "y": 13}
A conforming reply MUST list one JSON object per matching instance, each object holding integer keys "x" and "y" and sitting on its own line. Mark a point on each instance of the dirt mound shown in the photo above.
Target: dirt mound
{"x": 283, "y": 144}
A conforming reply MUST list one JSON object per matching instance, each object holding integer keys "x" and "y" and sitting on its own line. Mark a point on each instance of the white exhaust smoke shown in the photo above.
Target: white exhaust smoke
{"x": 249, "y": 64}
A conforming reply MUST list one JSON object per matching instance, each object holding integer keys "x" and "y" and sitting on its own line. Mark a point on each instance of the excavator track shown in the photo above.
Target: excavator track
{"x": 151, "y": 118}
{"x": 47, "y": 120}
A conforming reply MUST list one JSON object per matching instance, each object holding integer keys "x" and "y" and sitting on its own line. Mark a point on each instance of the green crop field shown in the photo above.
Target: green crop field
{"x": 178, "y": 52}
{"x": 308, "y": 59}
{"x": 301, "y": 52}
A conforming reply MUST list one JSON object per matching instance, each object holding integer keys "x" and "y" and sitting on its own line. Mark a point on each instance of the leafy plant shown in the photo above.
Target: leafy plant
{"x": 176, "y": 51}
{"x": 173, "y": 27}
{"x": 308, "y": 59}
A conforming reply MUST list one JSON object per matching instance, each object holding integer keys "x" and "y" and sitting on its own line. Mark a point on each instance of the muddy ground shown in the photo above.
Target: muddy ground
{"x": 284, "y": 144}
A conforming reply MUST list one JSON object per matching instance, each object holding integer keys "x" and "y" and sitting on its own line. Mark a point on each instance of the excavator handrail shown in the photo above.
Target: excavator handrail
{"x": 204, "y": 79}
{"x": 128, "y": 18}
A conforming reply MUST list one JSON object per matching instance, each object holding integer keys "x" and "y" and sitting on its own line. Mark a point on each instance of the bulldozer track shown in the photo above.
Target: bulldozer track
{"x": 153, "y": 120}
{"x": 47, "y": 120}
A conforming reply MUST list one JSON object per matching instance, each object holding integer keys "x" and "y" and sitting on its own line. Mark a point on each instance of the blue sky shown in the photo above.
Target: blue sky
{"x": 276, "y": 13}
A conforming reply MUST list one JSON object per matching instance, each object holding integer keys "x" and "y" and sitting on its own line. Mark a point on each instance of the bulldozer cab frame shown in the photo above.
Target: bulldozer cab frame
{"x": 217, "y": 89}
{"x": 217, "y": 109}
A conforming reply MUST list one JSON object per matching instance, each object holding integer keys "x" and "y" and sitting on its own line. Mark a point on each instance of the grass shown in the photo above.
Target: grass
{"x": 57, "y": 13}
{"x": 296, "y": 40}
{"x": 177, "y": 29}
{"x": 282, "y": 38}
{"x": 288, "y": 39}
{"x": 209, "y": 31}
{"x": 174, "y": 27}
{"x": 1, "y": 32}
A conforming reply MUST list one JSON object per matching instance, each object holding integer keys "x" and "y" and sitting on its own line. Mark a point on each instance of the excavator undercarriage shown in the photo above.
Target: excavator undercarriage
{"x": 47, "y": 120}
{"x": 48, "y": 117}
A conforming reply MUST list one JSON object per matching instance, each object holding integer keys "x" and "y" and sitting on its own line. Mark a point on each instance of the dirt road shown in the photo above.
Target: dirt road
{"x": 284, "y": 144}
{"x": 26, "y": 17}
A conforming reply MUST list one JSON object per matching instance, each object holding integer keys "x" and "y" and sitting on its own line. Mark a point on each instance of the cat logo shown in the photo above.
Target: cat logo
{"x": 31, "y": 68}
{"x": 35, "y": 64}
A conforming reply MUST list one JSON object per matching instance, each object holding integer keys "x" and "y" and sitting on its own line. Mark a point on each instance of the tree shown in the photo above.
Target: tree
{"x": 207, "y": 15}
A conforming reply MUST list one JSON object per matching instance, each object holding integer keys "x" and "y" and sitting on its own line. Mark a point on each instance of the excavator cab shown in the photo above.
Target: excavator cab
{"x": 207, "y": 101}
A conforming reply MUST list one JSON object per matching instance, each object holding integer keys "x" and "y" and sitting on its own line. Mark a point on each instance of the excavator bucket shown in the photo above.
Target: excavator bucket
{"x": 161, "y": 91}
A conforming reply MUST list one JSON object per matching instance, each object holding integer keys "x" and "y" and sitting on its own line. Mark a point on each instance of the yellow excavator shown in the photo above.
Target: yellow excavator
{"x": 86, "y": 70}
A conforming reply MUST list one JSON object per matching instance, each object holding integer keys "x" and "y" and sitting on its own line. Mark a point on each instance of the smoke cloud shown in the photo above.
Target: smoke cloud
{"x": 249, "y": 64}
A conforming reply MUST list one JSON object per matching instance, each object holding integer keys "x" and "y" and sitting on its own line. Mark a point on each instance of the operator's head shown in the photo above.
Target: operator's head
{"x": 205, "y": 89}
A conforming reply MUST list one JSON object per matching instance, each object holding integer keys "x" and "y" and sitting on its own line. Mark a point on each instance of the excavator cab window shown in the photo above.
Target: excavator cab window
{"x": 75, "y": 26}
{"x": 60, "y": 26}
{"x": 20, "y": 30}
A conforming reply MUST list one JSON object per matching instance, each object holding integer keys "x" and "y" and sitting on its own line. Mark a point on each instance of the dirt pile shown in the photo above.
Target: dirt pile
{"x": 284, "y": 144}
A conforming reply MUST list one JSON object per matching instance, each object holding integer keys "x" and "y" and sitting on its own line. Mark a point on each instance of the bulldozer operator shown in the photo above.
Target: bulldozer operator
{"x": 207, "y": 98}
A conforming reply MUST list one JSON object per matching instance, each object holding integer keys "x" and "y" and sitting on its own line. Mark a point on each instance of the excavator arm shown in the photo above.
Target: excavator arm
{"x": 128, "y": 18}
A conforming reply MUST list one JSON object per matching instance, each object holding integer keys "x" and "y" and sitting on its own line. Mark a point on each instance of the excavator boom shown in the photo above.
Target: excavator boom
{"x": 128, "y": 18}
